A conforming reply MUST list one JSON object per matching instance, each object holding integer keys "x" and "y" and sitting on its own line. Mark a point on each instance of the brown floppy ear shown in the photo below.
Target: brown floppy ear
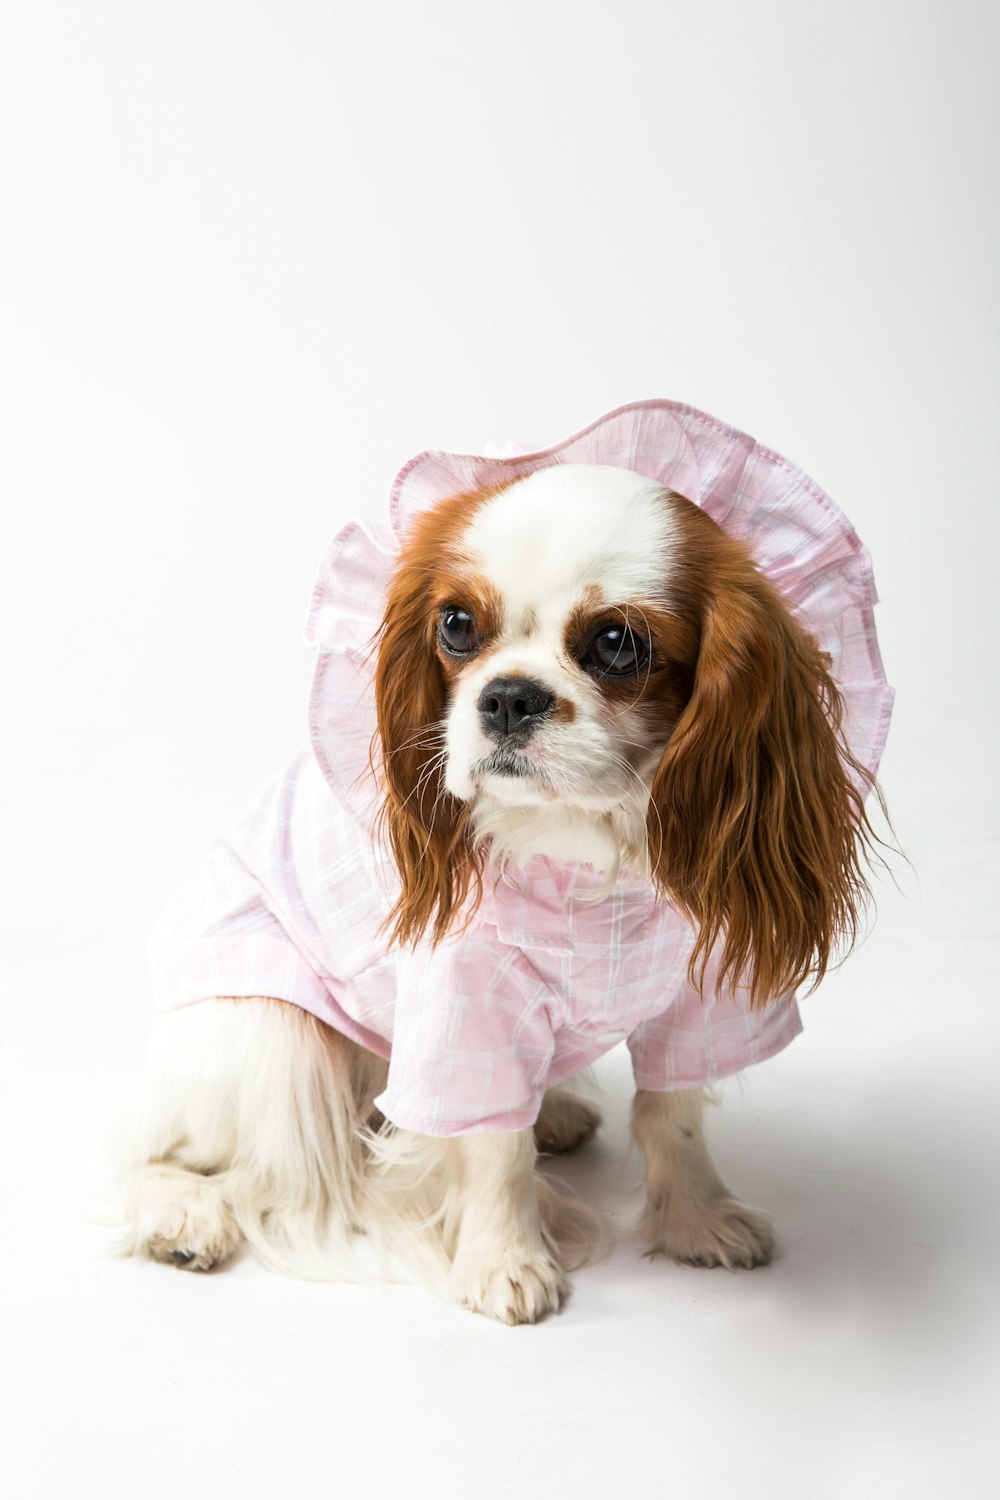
{"x": 426, "y": 825}
{"x": 756, "y": 828}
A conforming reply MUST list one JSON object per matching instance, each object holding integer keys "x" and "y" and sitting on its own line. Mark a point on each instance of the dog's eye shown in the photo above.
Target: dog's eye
{"x": 457, "y": 632}
{"x": 616, "y": 651}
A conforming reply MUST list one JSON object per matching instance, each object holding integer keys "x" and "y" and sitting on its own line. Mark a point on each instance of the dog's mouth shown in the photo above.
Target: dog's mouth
{"x": 510, "y": 764}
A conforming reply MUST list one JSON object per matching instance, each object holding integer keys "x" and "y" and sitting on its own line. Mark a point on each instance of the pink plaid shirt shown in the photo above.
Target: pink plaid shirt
{"x": 542, "y": 983}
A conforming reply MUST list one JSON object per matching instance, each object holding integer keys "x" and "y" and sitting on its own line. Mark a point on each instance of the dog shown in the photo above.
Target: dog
{"x": 592, "y": 731}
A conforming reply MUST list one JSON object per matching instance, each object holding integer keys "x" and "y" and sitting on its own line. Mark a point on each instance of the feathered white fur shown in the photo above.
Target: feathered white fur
{"x": 256, "y": 1123}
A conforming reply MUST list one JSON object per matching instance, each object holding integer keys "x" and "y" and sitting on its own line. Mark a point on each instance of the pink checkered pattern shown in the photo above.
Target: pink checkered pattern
{"x": 547, "y": 978}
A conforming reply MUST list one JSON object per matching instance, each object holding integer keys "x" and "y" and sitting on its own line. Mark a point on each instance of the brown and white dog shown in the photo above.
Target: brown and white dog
{"x": 579, "y": 664}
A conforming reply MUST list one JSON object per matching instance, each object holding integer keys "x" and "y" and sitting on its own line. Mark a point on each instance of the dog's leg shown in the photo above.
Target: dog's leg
{"x": 689, "y": 1215}
{"x": 565, "y": 1121}
{"x": 505, "y": 1264}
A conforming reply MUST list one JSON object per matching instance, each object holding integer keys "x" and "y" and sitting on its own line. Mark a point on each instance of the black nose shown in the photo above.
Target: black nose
{"x": 513, "y": 706}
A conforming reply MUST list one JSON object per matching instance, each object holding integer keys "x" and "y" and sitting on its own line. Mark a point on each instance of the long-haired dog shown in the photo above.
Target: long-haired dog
{"x": 616, "y": 790}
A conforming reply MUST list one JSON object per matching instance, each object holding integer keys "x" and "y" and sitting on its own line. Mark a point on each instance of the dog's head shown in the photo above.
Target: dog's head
{"x": 583, "y": 663}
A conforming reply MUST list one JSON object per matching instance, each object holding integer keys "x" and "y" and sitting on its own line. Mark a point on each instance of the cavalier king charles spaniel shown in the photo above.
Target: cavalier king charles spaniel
{"x": 575, "y": 669}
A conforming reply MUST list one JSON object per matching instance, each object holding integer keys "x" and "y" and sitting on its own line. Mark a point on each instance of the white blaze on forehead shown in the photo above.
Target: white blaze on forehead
{"x": 554, "y": 532}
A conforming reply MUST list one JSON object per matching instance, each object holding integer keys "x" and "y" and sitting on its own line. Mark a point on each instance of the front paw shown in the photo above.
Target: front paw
{"x": 721, "y": 1232}
{"x": 513, "y": 1286}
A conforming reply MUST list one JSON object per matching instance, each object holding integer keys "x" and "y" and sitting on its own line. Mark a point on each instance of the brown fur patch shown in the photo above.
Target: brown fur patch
{"x": 563, "y": 712}
{"x": 660, "y": 689}
{"x": 582, "y": 617}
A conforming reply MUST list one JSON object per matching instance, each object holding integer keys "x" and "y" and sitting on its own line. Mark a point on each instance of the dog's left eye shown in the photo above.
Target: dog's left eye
{"x": 457, "y": 632}
{"x": 616, "y": 651}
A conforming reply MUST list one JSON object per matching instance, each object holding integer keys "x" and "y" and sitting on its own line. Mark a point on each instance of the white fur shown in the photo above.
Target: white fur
{"x": 256, "y": 1123}
{"x": 689, "y": 1214}
{"x": 543, "y": 539}
{"x": 505, "y": 1263}
{"x": 608, "y": 842}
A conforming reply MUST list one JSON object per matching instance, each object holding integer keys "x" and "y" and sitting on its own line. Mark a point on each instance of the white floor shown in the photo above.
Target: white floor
{"x": 863, "y": 1362}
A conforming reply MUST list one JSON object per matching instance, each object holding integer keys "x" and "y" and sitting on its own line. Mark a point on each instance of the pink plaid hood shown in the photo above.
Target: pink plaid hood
{"x": 293, "y": 896}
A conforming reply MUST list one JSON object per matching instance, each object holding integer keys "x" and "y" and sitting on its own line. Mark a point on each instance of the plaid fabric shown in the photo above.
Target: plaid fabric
{"x": 547, "y": 978}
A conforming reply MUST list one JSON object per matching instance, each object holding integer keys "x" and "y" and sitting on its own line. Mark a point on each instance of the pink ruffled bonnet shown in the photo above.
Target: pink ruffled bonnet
{"x": 798, "y": 537}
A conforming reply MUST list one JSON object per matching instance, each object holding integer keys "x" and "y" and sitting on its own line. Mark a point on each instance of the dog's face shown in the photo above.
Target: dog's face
{"x": 565, "y": 663}
{"x": 584, "y": 650}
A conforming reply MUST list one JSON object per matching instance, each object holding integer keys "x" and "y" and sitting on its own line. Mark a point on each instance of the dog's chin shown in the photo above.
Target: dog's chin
{"x": 511, "y": 781}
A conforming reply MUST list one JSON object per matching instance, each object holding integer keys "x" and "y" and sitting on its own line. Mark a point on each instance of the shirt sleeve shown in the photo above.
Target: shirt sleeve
{"x": 696, "y": 1041}
{"x": 473, "y": 1039}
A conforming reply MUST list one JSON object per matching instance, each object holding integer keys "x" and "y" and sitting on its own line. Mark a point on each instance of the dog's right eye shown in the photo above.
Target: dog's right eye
{"x": 457, "y": 632}
{"x": 616, "y": 651}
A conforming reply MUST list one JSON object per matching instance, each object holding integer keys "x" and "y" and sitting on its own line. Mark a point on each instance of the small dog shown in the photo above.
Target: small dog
{"x": 618, "y": 762}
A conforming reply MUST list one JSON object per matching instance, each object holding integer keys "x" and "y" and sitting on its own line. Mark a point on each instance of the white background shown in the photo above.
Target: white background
{"x": 253, "y": 257}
